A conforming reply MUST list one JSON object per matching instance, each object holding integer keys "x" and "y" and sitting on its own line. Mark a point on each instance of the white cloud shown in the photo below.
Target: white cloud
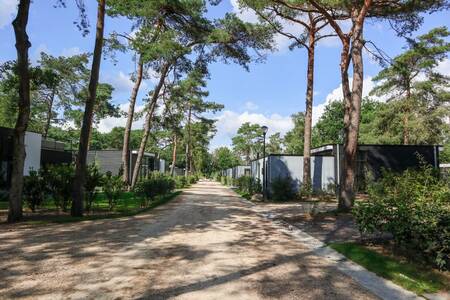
{"x": 153, "y": 76}
{"x": 249, "y": 105}
{"x": 8, "y": 9}
{"x": 122, "y": 82}
{"x": 444, "y": 67}
{"x": 37, "y": 52}
{"x": 229, "y": 122}
{"x": 71, "y": 51}
{"x": 109, "y": 123}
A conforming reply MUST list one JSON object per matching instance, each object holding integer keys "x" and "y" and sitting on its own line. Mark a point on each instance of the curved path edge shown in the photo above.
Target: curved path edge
{"x": 379, "y": 286}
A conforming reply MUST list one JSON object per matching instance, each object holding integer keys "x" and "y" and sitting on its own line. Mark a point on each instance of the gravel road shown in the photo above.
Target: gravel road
{"x": 205, "y": 244}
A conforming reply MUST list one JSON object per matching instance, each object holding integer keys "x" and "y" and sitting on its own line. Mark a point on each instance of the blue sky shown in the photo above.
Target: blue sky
{"x": 269, "y": 93}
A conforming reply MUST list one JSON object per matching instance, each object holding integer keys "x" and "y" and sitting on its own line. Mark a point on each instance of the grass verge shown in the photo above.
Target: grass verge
{"x": 412, "y": 277}
{"x": 128, "y": 207}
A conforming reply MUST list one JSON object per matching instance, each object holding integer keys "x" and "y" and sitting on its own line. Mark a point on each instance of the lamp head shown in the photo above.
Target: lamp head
{"x": 264, "y": 129}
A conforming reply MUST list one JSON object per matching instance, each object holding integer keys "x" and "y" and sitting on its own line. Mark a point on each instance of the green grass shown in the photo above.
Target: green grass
{"x": 4, "y": 205}
{"x": 128, "y": 205}
{"x": 408, "y": 275}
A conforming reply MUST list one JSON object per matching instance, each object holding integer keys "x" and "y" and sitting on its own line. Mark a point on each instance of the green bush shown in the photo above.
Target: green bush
{"x": 155, "y": 185}
{"x": 193, "y": 179}
{"x": 94, "y": 179}
{"x": 217, "y": 177}
{"x": 59, "y": 179}
{"x": 113, "y": 189}
{"x": 283, "y": 189}
{"x": 33, "y": 190}
{"x": 415, "y": 208}
{"x": 247, "y": 185}
{"x": 181, "y": 182}
{"x": 225, "y": 180}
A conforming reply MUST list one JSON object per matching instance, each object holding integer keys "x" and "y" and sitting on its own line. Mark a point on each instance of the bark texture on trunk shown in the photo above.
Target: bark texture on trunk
{"x": 130, "y": 116}
{"x": 22, "y": 46}
{"x": 80, "y": 166}
{"x": 308, "y": 110}
{"x": 188, "y": 143}
{"x": 353, "y": 111}
{"x": 148, "y": 124}
{"x": 49, "y": 114}
{"x": 406, "y": 112}
{"x": 352, "y": 99}
{"x": 174, "y": 155}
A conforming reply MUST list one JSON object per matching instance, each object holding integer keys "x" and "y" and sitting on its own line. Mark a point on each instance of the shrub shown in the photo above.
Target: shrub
{"x": 181, "y": 182}
{"x": 415, "y": 208}
{"x": 58, "y": 179}
{"x": 225, "y": 180}
{"x": 113, "y": 189}
{"x": 94, "y": 179}
{"x": 33, "y": 189}
{"x": 217, "y": 177}
{"x": 3, "y": 195}
{"x": 155, "y": 185}
{"x": 247, "y": 185}
{"x": 193, "y": 179}
{"x": 283, "y": 189}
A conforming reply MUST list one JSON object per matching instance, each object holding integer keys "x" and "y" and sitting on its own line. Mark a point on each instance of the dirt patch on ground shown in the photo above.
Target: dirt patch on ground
{"x": 327, "y": 227}
{"x": 315, "y": 218}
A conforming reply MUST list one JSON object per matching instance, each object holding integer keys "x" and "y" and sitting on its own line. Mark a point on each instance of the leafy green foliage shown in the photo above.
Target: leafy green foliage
{"x": 415, "y": 208}
{"x": 34, "y": 189}
{"x": 248, "y": 186}
{"x": 293, "y": 139}
{"x": 155, "y": 185}
{"x": 275, "y": 144}
{"x": 329, "y": 128}
{"x": 59, "y": 179}
{"x": 181, "y": 182}
{"x": 113, "y": 187}
{"x": 248, "y": 141}
{"x": 282, "y": 189}
{"x": 417, "y": 93}
{"x": 192, "y": 179}
{"x": 224, "y": 158}
{"x": 94, "y": 179}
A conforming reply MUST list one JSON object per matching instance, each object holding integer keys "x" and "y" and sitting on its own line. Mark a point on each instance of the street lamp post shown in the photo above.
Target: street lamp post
{"x": 264, "y": 130}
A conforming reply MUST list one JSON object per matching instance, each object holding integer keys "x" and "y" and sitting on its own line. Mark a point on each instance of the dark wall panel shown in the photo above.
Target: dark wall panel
{"x": 54, "y": 157}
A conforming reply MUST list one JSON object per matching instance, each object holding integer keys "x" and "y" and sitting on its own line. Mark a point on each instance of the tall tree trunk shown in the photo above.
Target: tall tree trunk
{"x": 130, "y": 116}
{"x": 406, "y": 112}
{"x": 22, "y": 46}
{"x": 308, "y": 110}
{"x": 352, "y": 119}
{"x": 49, "y": 114}
{"x": 148, "y": 124}
{"x": 188, "y": 143}
{"x": 174, "y": 155}
{"x": 80, "y": 166}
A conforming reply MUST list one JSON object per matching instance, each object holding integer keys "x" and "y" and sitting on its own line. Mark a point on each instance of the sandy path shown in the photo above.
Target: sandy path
{"x": 206, "y": 244}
